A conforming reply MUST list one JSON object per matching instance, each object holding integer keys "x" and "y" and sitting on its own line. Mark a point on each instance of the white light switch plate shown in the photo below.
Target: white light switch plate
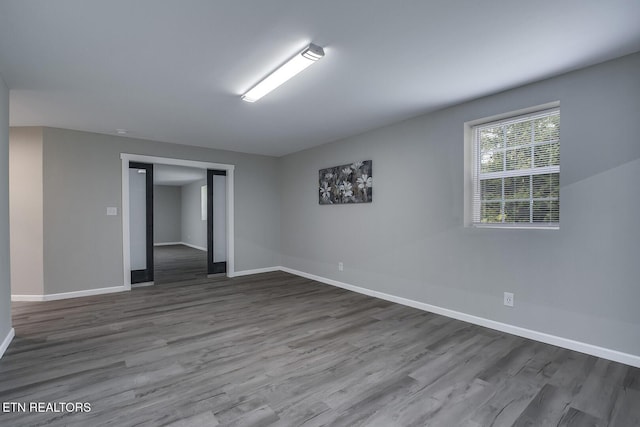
{"x": 111, "y": 211}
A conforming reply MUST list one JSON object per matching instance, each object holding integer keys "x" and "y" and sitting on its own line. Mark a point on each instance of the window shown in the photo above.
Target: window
{"x": 516, "y": 171}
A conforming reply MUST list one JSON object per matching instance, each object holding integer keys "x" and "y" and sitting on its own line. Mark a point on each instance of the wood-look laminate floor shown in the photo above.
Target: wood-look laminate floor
{"x": 280, "y": 350}
{"x": 173, "y": 263}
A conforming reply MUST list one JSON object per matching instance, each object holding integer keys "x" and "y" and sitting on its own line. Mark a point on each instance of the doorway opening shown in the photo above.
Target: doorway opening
{"x": 189, "y": 219}
{"x": 189, "y": 232}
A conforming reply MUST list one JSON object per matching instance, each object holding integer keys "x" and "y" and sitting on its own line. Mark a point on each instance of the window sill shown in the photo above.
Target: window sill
{"x": 519, "y": 226}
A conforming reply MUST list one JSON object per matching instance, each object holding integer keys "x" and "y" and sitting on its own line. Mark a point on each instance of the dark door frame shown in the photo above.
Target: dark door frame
{"x": 212, "y": 267}
{"x": 126, "y": 223}
{"x": 141, "y": 276}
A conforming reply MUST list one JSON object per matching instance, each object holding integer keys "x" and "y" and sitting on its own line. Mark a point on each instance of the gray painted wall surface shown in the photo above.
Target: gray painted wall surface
{"x": 25, "y": 183}
{"x": 579, "y": 282}
{"x": 194, "y": 229}
{"x": 167, "y": 213}
{"x": 5, "y": 271}
{"x": 82, "y": 176}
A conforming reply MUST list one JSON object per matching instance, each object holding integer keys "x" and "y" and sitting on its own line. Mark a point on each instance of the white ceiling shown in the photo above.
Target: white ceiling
{"x": 173, "y": 70}
{"x": 176, "y": 175}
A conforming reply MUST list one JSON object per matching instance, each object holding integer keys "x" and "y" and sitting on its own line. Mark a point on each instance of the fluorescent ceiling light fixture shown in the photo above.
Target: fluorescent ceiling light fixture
{"x": 302, "y": 60}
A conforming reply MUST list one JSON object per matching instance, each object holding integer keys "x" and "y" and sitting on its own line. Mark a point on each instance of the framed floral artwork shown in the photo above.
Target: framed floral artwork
{"x": 350, "y": 183}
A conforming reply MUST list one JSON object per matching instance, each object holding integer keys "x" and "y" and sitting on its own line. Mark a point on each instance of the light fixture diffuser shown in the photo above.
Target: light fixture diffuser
{"x": 302, "y": 60}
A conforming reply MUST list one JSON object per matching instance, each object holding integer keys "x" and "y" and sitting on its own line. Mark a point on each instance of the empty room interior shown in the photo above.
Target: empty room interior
{"x": 276, "y": 213}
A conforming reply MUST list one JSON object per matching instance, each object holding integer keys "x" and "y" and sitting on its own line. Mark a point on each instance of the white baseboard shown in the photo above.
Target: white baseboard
{"x": 200, "y": 248}
{"x": 594, "y": 350}
{"x": 142, "y": 285}
{"x": 66, "y": 295}
{"x": 255, "y": 271}
{"x": 27, "y": 297}
{"x": 7, "y": 340}
{"x": 605, "y": 353}
{"x": 168, "y": 244}
{"x": 193, "y": 246}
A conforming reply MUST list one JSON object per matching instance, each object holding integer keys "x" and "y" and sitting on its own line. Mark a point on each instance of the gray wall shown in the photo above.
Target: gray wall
{"x": 579, "y": 282}
{"x": 5, "y": 272}
{"x": 194, "y": 229}
{"x": 82, "y": 176}
{"x": 25, "y": 192}
{"x": 167, "y": 213}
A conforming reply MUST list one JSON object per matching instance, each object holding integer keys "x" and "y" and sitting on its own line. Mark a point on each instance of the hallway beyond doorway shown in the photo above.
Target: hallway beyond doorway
{"x": 176, "y": 263}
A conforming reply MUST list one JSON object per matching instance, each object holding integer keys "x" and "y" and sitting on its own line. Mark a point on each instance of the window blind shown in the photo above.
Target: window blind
{"x": 516, "y": 173}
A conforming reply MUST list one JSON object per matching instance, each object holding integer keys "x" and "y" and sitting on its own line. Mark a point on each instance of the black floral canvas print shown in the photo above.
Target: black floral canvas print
{"x": 350, "y": 183}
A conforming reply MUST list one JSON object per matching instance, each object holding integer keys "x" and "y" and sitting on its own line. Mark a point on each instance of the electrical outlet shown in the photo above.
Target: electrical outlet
{"x": 508, "y": 299}
{"x": 340, "y": 266}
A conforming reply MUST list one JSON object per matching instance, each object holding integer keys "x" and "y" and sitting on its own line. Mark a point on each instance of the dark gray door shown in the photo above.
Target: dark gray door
{"x": 141, "y": 221}
{"x": 216, "y": 221}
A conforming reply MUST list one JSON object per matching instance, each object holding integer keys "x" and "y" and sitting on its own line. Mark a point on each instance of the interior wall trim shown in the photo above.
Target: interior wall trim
{"x": 256, "y": 271}
{"x": 200, "y": 248}
{"x": 593, "y": 350}
{"x": 142, "y": 285}
{"x": 67, "y": 295}
{"x": 7, "y": 340}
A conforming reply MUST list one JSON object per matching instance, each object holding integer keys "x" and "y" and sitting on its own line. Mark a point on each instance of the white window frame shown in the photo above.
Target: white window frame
{"x": 472, "y": 167}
